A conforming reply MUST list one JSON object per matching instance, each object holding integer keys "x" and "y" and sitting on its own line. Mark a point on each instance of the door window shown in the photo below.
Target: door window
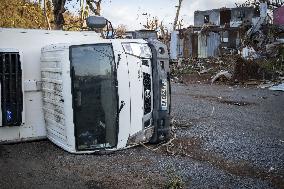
{"x": 94, "y": 96}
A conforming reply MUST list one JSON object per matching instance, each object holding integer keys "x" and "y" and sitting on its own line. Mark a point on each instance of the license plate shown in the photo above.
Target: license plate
{"x": 164, "y": 96}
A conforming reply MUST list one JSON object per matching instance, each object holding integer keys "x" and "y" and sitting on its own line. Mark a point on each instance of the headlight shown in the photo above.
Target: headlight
{"x": 137, "y": 49}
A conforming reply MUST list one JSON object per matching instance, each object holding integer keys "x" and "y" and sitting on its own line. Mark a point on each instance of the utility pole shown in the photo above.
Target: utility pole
{"x": 177, "y": 14}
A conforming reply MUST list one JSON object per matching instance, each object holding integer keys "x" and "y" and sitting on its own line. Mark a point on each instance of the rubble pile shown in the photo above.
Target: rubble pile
{"x": 204, "y": 70}
{"x": 231, "y": 69}
{"x": 261, "y": 69}
{"x": 259, "y": 59}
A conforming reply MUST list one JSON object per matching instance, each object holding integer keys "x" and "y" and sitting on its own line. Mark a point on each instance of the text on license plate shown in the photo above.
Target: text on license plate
{"x": 164, "y": 99}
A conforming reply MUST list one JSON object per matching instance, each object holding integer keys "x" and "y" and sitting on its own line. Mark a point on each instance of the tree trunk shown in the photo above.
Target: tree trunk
{"x": 58, "y": 13}
{"x": 177, "y": 15}
{"x": 45, "y": 15}
{"x": 96, "y": 10}
{"x": 98, "y": 7}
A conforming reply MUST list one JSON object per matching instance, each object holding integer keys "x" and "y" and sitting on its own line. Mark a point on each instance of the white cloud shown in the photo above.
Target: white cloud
{"x": 130, "y": 12}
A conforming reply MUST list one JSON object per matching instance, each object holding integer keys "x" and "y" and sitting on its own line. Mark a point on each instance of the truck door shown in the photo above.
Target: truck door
{"x": 136, "y": 94}
{"x": 141, "y": 93}
{"x": 95, "y": 99}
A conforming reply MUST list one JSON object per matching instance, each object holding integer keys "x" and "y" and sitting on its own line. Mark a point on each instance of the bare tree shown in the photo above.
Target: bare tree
{"x": 271, "y": 3}
{"x": 96, "y": 10}
{"x": 177, "y": 14}
{"x": 164, "y": 34}
{"x": 151, "y": 23}
{"x": 45, "y": 14}
{"x": 120, "y": 30}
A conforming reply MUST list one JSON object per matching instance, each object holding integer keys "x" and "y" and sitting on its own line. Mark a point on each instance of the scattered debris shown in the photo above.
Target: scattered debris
{"x": 221, "y": 76}
{"x": 249, "y": 53}
{"x": 236, "y": 103}
{"x": 204, "y": 71}
{"x": 266, "y": 85}
{"x": 271, "y": 169}
{"x": 252, "y": 82}
{"x": 201, "y": 70}
{"x": 248, "y": 47}
{"x": 213, "y": 109}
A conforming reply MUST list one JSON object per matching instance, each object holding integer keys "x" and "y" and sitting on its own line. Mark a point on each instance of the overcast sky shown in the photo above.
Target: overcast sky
{"x": 130, "y": 12}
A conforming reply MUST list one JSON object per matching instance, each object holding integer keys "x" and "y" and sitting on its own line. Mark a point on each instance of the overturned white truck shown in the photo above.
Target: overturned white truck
{"x": 84, "y": 93}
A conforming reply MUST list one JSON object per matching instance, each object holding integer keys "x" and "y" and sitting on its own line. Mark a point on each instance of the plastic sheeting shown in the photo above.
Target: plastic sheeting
{"x": 277, "y": 87}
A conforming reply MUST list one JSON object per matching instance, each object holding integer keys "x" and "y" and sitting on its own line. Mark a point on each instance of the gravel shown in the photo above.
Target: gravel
{"x": 232, "y": 137}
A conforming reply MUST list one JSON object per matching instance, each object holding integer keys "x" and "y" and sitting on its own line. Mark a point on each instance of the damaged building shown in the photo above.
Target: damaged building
{"x": 218, "y": 32}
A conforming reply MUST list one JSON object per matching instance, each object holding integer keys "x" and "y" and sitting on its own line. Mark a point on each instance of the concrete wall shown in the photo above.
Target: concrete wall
{"x": 214, "y": 17}
{"x": 242, "y": 13}
{"x": 237, "y": 14}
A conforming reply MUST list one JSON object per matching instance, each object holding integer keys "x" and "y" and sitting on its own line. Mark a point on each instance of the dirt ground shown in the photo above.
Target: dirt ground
{"x": 227, "y": 137}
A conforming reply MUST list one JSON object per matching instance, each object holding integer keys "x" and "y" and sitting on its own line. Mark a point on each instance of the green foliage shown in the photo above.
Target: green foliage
{"x": 175, "y": 183}
{"x": 21, "y": 14}
{"x": 72, "y": 22}
{"x": 175, "y": 180}
{"x": 29, "y": 14}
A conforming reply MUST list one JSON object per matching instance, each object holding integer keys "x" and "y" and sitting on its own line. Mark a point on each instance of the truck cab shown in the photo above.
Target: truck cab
{"x": 84, "y": 93}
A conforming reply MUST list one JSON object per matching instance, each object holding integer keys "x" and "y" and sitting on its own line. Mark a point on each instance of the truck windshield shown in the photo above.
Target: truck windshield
{"x": 94, "y": 96}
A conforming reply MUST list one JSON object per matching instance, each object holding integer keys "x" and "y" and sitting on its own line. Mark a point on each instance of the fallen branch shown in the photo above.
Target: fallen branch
{"x": 159, "y": 146}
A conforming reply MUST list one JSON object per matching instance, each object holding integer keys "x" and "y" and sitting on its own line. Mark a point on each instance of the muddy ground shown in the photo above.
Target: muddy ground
{"x": 227, "y": 137}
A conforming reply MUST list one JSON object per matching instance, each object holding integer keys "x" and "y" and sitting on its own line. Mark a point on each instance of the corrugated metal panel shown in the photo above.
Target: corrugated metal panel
{"x": 187, "y": 46}
{"x": 208, "y": 45}
{"x": 180, "y": 47}
{"x": 194, "y": 39}
{"x": 174, "y": 45}
{"x": 202, "y": 48}
{"x": 213, "y": 42}
{"x": 263, "y": 10}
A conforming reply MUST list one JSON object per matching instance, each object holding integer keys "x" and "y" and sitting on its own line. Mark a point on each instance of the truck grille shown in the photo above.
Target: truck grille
{"x": 11, "y": 89}
{"x": 147, "y": 93}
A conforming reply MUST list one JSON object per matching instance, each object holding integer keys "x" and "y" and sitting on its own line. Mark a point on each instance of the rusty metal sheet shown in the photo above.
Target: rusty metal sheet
{"x": 187, "y": 48}
{"x": 194, "y": 41}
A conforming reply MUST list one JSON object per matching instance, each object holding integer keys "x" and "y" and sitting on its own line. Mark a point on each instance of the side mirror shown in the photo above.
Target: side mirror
{"x": 96, "y": 22}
